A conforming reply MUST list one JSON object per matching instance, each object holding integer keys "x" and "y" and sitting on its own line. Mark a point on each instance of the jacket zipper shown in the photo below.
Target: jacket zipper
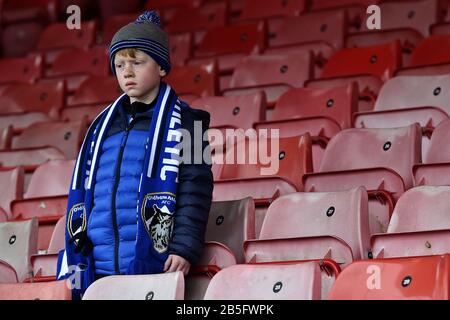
{"x": 114, "y": 194}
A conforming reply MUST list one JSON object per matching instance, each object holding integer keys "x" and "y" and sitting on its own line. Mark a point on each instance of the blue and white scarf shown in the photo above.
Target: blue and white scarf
{"x": 157, "y": 192}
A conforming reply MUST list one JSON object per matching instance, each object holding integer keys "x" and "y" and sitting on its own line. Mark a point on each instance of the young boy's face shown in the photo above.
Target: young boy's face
{"x": 138, "y": 75}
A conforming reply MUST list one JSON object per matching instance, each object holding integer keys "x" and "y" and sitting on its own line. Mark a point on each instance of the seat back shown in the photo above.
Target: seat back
{"x": 394, "y": 148}
{"x": 96, "y": 90}
{"x": 415, "y": 278}
{"x": 51, "y": 179}
{"x": 438, "y": 153}
{"x": 257, "y": 70}
{"x": 58, "y": 239}
{"x": 18, "y": 241}
{"x": 422, "y": 208}
{"x": 163, "y": 286}
{"x": 47, "y": 98}
{"x": 299, "y": 281}
{"x": 11, "y": 186}
{"x": 199, "y": 80}
{"x": 86, "y": 61}
{"x": 432, "y": 50}
{"x": 289, "y": 162}
{"x": 53, "y": 290}
{"x": 66, "y": 136}
{"x": 20, "y": 69}
{"x": 327, "y": 26}
{"x": 418, "y": 15}
{"x": 246, "y": 38}
{"x": 417, "y": 91}
{"x": 57, "y": 36}
{"x": 234, "y": 111}
{"x": 204, "y": 18}
{"x": 29, "y": 158}
{"x": 335, "y": 103}
{"x": 381, "y": 61}
{"x": 343, "y": 215}
{"x": 272, "y": 8}
{"x": 231, "y": 223}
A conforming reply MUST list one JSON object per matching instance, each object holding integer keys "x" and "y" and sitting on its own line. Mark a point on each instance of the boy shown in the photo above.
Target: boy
{"x": 133, "y": 207}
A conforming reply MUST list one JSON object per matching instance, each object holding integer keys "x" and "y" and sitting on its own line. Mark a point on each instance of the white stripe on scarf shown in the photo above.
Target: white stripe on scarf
{"x": 156, "y": 132}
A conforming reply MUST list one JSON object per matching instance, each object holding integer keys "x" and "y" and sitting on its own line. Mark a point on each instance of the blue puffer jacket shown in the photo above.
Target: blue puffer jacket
{"x": 113, "y": 221}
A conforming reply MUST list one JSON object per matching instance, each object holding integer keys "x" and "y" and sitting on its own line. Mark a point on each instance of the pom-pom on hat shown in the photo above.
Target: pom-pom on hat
{"x": 146, "y": 35}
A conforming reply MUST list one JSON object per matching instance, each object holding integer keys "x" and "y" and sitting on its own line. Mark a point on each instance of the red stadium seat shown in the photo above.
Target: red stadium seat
{"x": 44, "y": 98}
{"x": 419, "y": 226}
{"x": 11, "y": 184}
{"x": 53, "y": 290}
{"x": 66, "y": 136}
{"x": 336, "y": 103}
{"x": 321, "y": 51}
{"x": 163, "y": 286}
{"x": 253, "y": 10}
{"x": 29, "y": 158}
{"x": 199, "y": 81}
{"x": 198, "y": 19}
{"x": 18, "y": 243}
{"x": 257, "y": 180}
{"x": 181, "y": 48}
{"x": 368, "y": 85}
{"x": 326, "y": 26}
{"x": 46, "y": 197}
{"x": 418, "y": 15}
{"x": 409, "y": 39}
{"x": 108, "y": 8}
{"x": 78, "y": 64}
{"x": 381, "y": 61}
{"x": 416, "y": 278}
{"x": 379, "y": 159}
{"x": 228, "y": 45}
{"x": 321, "y": 112}
{"x": 93, "y": 96}
{"x": 244, "y": 39}
{"x": 44, "y": 265}
{"x": 314, "y": 226}
{"x": 294, "y": 159}
{"x": 424, "y": 99}
{"x": 57, "y": 37}
{"x": 234, "y": 111}
{"x": 113, "y": 23}
{"x": 432, "y": 50}
{"x": 293, "y": 281}
{"x": 19, "y": 39}
{"x": 231, "y": 223}
{"x": 30, "y": 10}
{"x": 435, "y": 169}
{"x": 274, "y": 74}
{"x": 20, "y": 70}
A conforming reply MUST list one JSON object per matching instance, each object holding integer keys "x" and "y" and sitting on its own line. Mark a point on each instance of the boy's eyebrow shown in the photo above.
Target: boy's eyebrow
{"x": 128, "y": 58}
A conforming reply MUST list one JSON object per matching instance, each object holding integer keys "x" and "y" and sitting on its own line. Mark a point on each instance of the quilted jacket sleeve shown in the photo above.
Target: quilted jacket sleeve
{"x": 194, "y": 195}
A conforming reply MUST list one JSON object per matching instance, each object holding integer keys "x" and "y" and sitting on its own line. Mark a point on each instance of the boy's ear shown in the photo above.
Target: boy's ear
{"x": 162, "y": 72}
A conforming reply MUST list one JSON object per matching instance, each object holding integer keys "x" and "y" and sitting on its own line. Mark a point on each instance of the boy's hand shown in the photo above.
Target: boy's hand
{"x": 176, "y": 263}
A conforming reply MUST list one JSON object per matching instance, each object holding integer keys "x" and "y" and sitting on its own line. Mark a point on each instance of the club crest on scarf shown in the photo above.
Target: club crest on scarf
{"x": 76, "y": 221}
{"x": 157, "y": 215}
